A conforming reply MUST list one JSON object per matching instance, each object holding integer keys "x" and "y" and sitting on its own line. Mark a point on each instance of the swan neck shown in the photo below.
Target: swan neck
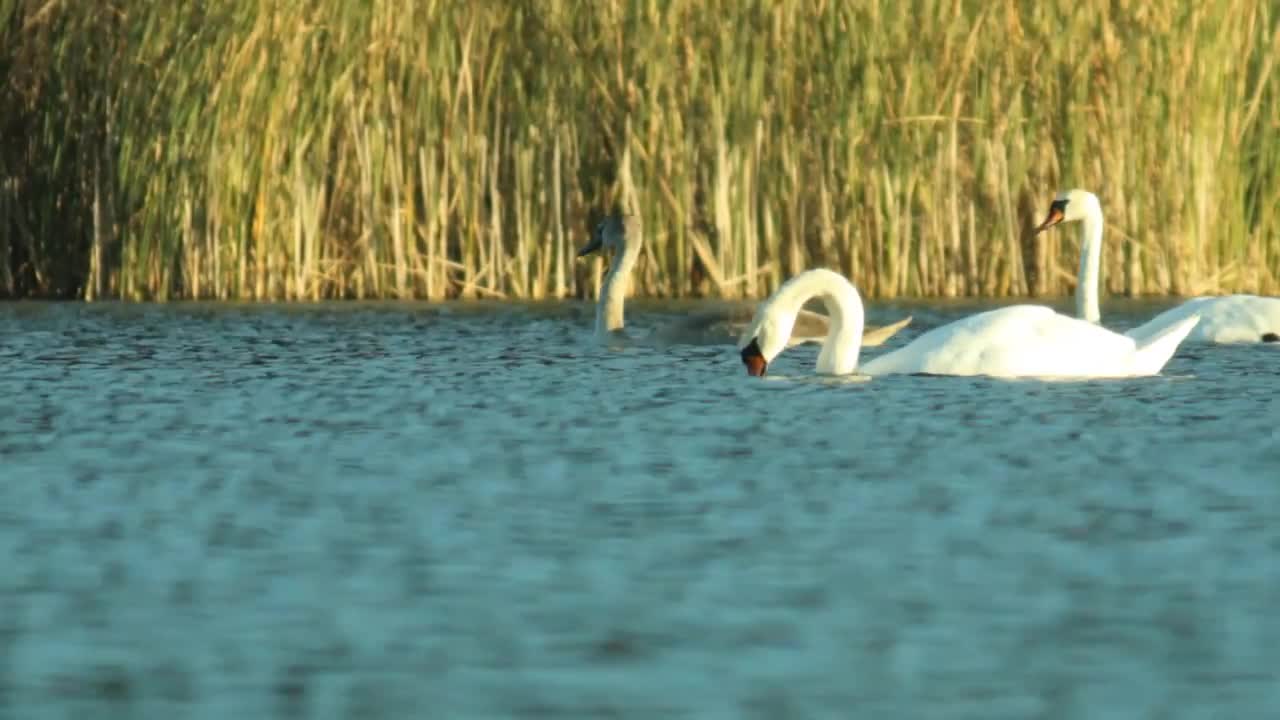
{"x": 613, "y": 292}
{"x": 1090, "y": 259}
{"x": 840, "y": 349}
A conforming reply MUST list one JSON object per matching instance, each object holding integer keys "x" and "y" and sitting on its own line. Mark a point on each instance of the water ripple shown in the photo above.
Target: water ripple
{"x": 357, "y": 509}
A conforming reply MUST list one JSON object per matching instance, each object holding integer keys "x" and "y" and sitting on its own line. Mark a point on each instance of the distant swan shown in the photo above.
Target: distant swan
{"x": 1017, "y": 341}
{"x": 1223, "y": 319}
{"x": 622, "y": 235}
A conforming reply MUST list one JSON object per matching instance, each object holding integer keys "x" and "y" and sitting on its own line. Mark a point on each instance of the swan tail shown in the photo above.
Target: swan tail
{"x": 1155, "y": 351}
{"x": 873, "y": 336}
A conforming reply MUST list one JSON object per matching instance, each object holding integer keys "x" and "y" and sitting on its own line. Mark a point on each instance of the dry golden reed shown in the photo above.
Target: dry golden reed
{"x": 310, "y": 149}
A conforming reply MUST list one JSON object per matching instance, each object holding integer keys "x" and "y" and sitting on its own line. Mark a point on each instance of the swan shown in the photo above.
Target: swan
{"x": 1015, "y": 341}
{"x": 1223, "y": 319}
{"x": 622, "y": 234}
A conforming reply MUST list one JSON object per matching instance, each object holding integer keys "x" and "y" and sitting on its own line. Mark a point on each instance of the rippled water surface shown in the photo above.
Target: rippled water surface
{"x": 371, "y": 510}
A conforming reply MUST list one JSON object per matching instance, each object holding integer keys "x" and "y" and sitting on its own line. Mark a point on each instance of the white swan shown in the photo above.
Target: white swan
{"x": 1016, "y": 341}
{"x": 1223, "y": 319}
{"x": 622, "y": 234}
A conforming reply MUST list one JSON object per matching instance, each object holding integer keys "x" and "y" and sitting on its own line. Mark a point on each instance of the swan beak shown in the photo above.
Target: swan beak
{"x": 1055, "y": 216}
{"x": 754, "y": 359}
{"x": 597, "y": 241}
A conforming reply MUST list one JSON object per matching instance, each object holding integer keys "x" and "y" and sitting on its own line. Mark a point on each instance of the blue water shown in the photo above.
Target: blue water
{"x": 367, "y": 510}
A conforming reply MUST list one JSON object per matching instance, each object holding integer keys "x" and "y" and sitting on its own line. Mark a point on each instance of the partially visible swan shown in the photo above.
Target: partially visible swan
{"x": 1016, "y": 341}
{"x": 622, "y": 234}
{"x": 1223, "y": 319}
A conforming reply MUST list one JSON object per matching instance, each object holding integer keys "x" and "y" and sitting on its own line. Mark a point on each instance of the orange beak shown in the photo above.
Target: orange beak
{"x": 1055, "y": 217}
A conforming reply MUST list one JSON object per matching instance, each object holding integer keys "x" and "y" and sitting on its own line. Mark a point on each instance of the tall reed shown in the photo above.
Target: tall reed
{"x": 324, "y": 148}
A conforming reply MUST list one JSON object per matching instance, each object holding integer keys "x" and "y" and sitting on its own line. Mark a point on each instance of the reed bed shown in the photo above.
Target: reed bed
{"x": 313, "y": 149}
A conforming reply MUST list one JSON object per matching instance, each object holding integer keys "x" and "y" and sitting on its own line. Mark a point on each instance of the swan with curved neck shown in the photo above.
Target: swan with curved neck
{"x": 613, "y": 291}
{"x": 1015, "y": 341}
{"x": 1223, "y": 319}
{"x": 623, "y": 235}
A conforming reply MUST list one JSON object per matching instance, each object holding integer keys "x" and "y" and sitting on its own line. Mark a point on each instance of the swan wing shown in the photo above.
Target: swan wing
{"x": 1016, "y": 341}
{"x": 1165, "y": 320}
{"x": 1154, "y": 352}
{"x": 718, "y": 326}
{"x": 1226, "y": 319}
{"x": 703, "y": 327}
{"x": 811, "y": 327}
{"x": 876, "y": 336}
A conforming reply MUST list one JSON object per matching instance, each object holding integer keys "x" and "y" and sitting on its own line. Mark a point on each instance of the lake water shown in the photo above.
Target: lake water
{"x": 343, "y": 511}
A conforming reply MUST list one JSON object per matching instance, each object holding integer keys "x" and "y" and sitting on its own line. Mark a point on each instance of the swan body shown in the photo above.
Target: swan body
{"x": 1016, "y": 341}
{"x": 1226, "y": 319}
{"x": 622, "y": 234}
{"x": 1223, "y": 319}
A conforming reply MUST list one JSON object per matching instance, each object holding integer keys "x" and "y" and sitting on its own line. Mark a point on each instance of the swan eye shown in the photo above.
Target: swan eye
{"x": 754, "y": 359}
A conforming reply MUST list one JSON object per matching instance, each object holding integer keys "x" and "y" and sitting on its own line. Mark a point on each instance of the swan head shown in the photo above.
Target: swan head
{"x": 764, "y": 338}
{"x": 615, "y": 233}
{"x": 1070, "y": 206}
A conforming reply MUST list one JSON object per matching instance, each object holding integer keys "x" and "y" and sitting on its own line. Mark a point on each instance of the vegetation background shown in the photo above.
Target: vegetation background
{"x": 306, "y": 149}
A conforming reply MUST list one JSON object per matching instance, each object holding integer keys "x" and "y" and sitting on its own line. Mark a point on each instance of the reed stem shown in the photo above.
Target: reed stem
{"x": 272, "y": 150}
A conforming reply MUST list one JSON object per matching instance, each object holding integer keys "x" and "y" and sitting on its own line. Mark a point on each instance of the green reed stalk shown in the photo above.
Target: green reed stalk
{"x": 276, "y": 150}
